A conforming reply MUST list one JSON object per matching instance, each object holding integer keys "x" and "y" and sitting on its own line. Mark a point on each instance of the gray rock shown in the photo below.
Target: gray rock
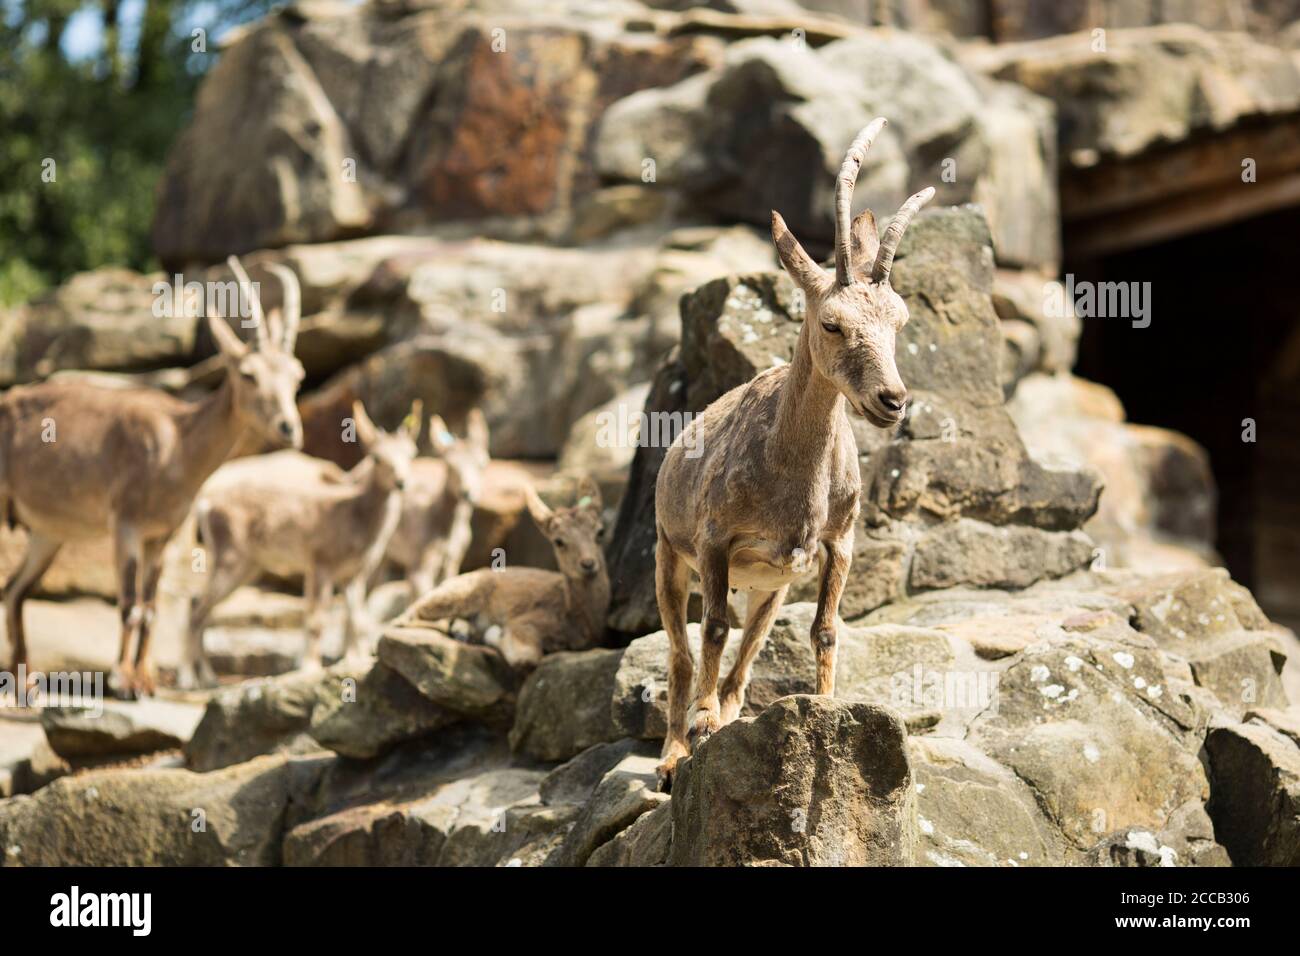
{"x": 373, "y": 714}
{"x": 465, "y": 679}
{"x": 972, "y": 552}
{"x": 647, "y": 842}
{"x": 625, "y": 793}
{"x": 101, "y": 320}
{"x": 563, "y": 706}
{"x": 1255, "y": 793}
{"x": 469, "y": 821}
{"x": 873, "y": 663}
{"x": 230, "y": 817}
{"x": 1094, "y": 727}
{"x": 574, "y": 780}
{"x": 809, "y": 782}
{"x": 973, "y": 811}
{"x": 119, "y": 727}
{"x": 266, "y": 716}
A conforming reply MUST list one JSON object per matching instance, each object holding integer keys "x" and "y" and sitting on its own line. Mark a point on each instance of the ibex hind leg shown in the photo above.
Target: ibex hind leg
{"x": 759, "y": 615}
{"x": 40, "y": 554}
{"x": 227, "y": 572}
{"x": 672, "y": 577}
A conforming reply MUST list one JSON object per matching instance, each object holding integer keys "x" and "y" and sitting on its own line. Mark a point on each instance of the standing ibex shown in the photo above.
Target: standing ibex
{"x": 79, "y": 461}
{"x": 527, "y": 612}
{"x": 431, "y": 539}
{"x": 300, "y": 516}
{"x": 777, "y": 482}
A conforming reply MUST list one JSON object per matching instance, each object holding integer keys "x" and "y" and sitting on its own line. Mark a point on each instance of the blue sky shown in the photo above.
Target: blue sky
{"x": 84, "y": 36}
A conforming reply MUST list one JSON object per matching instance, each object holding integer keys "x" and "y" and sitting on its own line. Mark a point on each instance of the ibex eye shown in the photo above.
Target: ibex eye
{"x": 833, "y": 329}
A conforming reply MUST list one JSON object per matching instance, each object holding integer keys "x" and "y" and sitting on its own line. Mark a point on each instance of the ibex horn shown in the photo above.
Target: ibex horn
{"x": 292, "y": 304}
{"x": 844, "y": 197}
{"x": 894, "y": 234}
{"x": 254, "y": 303}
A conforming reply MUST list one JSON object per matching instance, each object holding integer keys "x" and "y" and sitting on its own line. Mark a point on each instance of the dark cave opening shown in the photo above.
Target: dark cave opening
{"x": 1222, "y": 350}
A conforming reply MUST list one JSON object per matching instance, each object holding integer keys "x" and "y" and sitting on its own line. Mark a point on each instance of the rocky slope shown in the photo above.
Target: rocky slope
{"x": 998, "y": 703}
{"x": 555, "y": 211}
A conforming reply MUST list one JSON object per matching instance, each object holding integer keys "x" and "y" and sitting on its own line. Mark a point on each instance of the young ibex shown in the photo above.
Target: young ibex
{"x": 79, "y": 461}
{"x": 431, "y": 539}
{"x": 528, "y": 612}
{"x": 288, "y": 521}
{"x": 777, "y": 483}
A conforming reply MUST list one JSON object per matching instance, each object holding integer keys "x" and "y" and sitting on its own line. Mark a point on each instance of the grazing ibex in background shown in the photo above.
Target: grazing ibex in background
{"x": 777, "y": 483}
{"x": 431, "y": 539}
{"x": 79, "y": 461}
{"x": 300, "y": 516}
{"x": 527, "y": 612}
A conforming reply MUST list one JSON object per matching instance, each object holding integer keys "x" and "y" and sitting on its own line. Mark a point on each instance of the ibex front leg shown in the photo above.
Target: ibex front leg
{"x": 835, "y": 571}
{"x": 672, "y": 578}
{"x": 127, "y": 556}
{"x": 151, "y": 570}
{"x": 714, "y": 630}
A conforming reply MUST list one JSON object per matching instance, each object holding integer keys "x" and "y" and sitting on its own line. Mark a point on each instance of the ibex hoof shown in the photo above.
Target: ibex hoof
{"x": 143, "y": 686}
{"x": 705, "y": 726}
{"x": 664, "y": 777}
{"x": 121, "y": 684}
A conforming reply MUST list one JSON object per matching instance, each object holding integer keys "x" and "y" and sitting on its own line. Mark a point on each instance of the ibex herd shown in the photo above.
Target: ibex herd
{"x": 770, "y": 494}
{"x": 78, "y": 461}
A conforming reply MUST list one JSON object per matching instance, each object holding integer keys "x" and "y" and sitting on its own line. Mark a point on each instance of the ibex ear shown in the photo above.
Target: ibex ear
{"x": 440, "y": 435}
{"x": 476, "y": 428}
{"x": 541, "y": 514}
{"x": 413, "y": 420}
{"x": 228, "y": 343}
{"x": 800, "y": 266}
{"x": 866, "y": 243}
{"x": 366, "y": 430}
{"x": 588, "y": 494}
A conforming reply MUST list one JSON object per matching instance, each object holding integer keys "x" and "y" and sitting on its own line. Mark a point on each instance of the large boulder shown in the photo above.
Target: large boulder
{"x": 466, "y": 679}
{"x": 266, "y": 716}
{"x": 116, "y": 727}
{"x": 742, "y": 138}
{"x": 1126, "y": 91}
{"x": 809, "y": 782}
{"x": 478, "y": 113}
{"x": 1255, "y": 802}
{"x": 105, "y": 320}
{"x": 473, "y": 820}
{"x": 1159, "y": 506}
{"x": 626, "y": 792}
{"x": 374, "y": 713}
{"x": 564, "y": 706}
{"x": 230, "y": 817}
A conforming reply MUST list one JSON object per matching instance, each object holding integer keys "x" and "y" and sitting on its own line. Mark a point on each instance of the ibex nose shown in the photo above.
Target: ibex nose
{"x": 589, "y": 564}
{"x": 893, "y": 398}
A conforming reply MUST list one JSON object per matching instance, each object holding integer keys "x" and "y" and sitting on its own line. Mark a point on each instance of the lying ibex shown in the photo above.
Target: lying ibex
{"x": 79, "y": 461}
{"x": 431, "y": 539}
{"x": 283, "y": 520}
{"x": 528, "y": 612}
{"x": 777, "y": 482}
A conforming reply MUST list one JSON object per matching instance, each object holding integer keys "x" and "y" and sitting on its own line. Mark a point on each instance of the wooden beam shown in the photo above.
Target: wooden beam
{"x": 1183, "y": 188}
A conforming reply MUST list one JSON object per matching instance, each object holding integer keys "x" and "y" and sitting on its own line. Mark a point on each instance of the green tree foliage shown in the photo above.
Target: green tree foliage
{"x": 83, "y": 140}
